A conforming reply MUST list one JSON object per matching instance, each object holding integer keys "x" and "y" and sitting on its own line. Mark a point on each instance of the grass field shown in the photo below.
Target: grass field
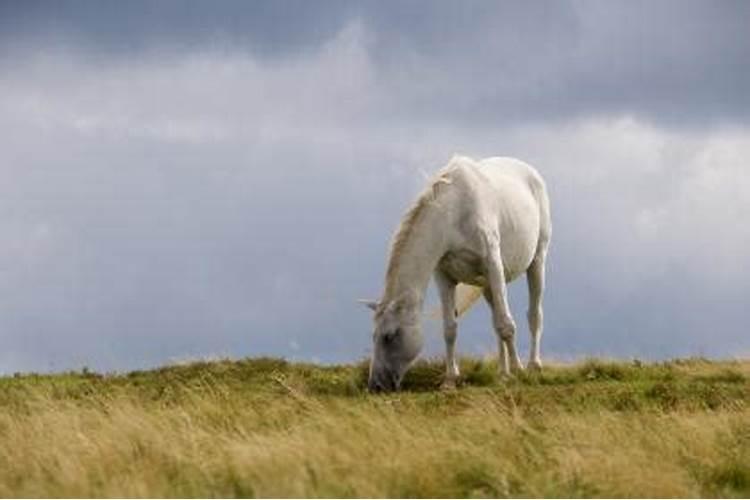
{"x": 265, "y": 427}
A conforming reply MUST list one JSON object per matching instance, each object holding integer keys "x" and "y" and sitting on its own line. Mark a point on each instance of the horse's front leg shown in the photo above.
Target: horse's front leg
{"x": 447, "y": 291}
{"x": 496, "y": 294}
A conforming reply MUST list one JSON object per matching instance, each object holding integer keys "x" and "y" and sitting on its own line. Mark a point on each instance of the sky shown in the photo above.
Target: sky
{"x": 186, "y": 180}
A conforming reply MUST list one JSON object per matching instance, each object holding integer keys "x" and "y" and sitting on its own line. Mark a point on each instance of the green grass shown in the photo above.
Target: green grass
{"x": 267, "y": 427}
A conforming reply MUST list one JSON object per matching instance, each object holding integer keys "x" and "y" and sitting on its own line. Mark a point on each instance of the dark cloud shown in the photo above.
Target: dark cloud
{"x": 684, "y": 63}
{"x": 681, "y": 63}
{"x": 266, "y": 28}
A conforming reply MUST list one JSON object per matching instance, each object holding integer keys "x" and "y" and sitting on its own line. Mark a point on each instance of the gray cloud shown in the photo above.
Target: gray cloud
{"x": 680, "y": 63}
{"x": 128, "y": 28}
{"x": 231, "y": 199}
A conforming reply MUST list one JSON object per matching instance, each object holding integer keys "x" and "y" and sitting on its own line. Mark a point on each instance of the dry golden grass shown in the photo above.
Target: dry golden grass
{"x": 273, "y": 429}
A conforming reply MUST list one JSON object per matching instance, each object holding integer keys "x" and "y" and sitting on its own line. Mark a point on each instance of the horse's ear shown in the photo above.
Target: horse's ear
{"x": 372, "y": 304}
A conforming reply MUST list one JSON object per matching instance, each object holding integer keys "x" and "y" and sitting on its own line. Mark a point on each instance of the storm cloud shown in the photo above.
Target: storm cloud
{"x": 184, "y": 179}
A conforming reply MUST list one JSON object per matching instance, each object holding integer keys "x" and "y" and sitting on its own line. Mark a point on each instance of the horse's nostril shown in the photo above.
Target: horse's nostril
{"x": 374, "y": 386}
{"x": 393, "y": 381}
{"x": 387, "y": 382}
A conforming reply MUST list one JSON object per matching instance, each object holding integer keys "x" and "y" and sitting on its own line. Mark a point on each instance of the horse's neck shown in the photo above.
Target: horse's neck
{"x": 411, "y": 268}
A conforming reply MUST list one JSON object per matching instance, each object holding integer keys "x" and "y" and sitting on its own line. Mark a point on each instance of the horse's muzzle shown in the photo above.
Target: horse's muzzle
{"x": 384, "y": 382}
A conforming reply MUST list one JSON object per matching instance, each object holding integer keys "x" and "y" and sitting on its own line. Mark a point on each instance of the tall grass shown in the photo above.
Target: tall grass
{"x": 269, "y": 428}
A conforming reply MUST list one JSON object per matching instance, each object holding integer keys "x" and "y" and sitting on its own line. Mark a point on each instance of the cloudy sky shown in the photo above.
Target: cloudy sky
{"x": 182, "y": 180}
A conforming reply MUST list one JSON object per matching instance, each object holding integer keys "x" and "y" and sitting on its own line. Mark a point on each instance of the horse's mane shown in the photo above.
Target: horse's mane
{"x": 402, "y": 234}
{"x": 408, "y": 222}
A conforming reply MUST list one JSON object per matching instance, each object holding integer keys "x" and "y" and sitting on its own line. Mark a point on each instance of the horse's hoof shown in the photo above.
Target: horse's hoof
{"x": 517, "y": 370}
{"x": 535, "y": 366}
{"x": 448, "y": 385}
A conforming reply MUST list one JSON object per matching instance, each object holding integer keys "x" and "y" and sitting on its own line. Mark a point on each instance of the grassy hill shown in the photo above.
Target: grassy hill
{"x": 266, "y": 427}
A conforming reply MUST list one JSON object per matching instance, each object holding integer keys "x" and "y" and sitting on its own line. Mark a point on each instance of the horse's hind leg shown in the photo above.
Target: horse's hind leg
{"x": 447, "y": 291}
{"x": 497, "y": 296}
{"x": 535, "y": 315}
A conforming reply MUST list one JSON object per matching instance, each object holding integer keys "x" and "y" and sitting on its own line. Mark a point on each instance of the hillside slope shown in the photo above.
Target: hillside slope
{"x": 266, "y": 427}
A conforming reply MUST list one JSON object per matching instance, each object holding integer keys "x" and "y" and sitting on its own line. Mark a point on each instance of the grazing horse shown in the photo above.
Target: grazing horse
{"x": 480, "y": 223}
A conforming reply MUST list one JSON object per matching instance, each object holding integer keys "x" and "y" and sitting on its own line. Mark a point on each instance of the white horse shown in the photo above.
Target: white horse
{"x": 480, "y": 223}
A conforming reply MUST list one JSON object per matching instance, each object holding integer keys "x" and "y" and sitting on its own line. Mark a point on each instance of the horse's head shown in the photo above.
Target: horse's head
{"x": 397, "y": 340}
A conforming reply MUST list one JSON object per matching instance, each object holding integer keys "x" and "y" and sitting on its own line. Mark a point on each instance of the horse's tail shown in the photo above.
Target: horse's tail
{"x": 466, "y": 297}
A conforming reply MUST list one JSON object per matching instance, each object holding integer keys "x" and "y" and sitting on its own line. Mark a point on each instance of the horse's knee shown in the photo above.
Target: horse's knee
{"x": 450, "y": 331}
{"x": 450, "y": 323}
{"x": 506, "y": 329}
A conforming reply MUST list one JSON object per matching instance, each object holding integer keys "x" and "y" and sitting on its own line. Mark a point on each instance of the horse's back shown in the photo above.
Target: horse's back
{"x": 507, "y": 174}
{"x": 509, "y": 195}
{"x": 505, "y": 170}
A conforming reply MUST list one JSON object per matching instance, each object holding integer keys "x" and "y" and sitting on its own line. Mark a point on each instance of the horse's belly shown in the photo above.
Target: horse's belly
{"x": 464, "y": 266}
